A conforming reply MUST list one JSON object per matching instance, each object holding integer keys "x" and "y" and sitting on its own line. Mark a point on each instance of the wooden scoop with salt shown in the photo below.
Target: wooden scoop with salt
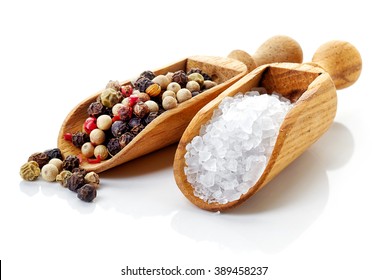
{"x": 311, "y": 87}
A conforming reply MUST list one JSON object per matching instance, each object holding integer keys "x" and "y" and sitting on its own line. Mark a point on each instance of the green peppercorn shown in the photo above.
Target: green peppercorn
{"x": 110, "y": 97}
{"x": 30, "y": 171}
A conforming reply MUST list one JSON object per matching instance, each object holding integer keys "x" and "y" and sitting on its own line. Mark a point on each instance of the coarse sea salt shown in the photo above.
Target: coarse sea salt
{"x": 232, "y": 150}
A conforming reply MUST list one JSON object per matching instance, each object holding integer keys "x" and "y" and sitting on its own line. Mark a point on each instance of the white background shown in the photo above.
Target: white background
{"x": 324, "y": 217}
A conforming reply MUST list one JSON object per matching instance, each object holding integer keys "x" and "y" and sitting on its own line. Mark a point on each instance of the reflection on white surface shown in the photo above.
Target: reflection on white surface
{"x": 279, "y": 213}
{"x": 55, "y": 190}
{"x": 146, "y": 186}
{"x": 269, "y": 221}
{"x": 335, "y": 148}
{"x": 272, "y": 219}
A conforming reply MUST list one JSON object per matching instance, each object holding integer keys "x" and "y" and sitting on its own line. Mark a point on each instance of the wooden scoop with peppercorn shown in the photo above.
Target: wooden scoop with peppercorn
{"x": 133, "y": 118}
{"x": 311, "y": 89}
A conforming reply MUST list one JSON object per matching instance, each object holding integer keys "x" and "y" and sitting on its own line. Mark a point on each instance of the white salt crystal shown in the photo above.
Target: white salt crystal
{"x": 231, "y": 152}
{"x": 197, "y": 143}
{"x": 210, "y": 165}
{"x": 204, "y": 156}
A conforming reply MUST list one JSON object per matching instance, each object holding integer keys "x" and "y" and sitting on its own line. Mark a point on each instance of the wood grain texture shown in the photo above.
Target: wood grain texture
{"x": 341, "y": 60}
{"x": 278, "y": 49}
{"x": 314, "y": 96}
{"x": 169, "y": 126}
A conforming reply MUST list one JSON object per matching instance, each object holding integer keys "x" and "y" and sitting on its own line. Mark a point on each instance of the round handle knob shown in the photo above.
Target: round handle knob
{"x": 341, "y": 60}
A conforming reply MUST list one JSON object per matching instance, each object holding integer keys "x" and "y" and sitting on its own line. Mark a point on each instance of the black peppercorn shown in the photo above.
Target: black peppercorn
{"x": 137, "y": 129}
{"x": 133, "y": 122}
{"x": 74, "y": 182}
{"x": 79, "y": 138}
{"x": 96, "y": 109}
{"x": 114, "y": 146}
{"x": 125, "y": 139}
{"x": 143, "y": 83}
{"x": 70, "y": 162}
{"x": 41, "y": 158}
{"x": 150, "y": 118}
{"x": 180, "y": 77}
{"x": 148, "y": 74}
{"x": 118, "y": 128}
{"x": 87, "y": 193}
{"x": 79, "y": 171}
{"x": 54, "y": 153}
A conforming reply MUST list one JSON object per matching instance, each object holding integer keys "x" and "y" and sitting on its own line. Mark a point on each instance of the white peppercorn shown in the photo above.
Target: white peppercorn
{"x": 57, "y": 162}
{"x": 168, "y": 93}
{"x": 175, "y": 87}
{"x": 116, "y": 108}
{"x": 162, "y": 80}
{"x": 87, "y": 150}
{"x": 193, "y": 86}
{"x": 92, "y": 178}
{"x": 97, "y": 136}
{"x": 197, "y": 77}
{"x": 125, "y": 101}
{"x": 207, "y": 84}
{"x": 101, "y": 151}
{"x": 63, "y": 176}
{"x": 49, "y": 172}
{"x": 169, "y": 76}
{"x": 104, "y": 122}
{"x": 152, "y": 105}
{"x": 183, "y": 95}
{"x": 169, "y": 103}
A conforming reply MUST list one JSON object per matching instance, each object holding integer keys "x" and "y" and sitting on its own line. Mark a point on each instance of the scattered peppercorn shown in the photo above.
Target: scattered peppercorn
{"x": 57, "y": 162}
{"x": 75, "y": 181}
{"x": 80, "y": 171}
{"x": 49, "y": 172}
{"x": 41, "y": 158}
{"x": 54, "y": 153}
{"x": 87, "y": 193}
{"x": 63, "y": 176}
{"x": 70, "y": 162}
{"x": 30, "y": 171}
{"x": 92, "y": 178}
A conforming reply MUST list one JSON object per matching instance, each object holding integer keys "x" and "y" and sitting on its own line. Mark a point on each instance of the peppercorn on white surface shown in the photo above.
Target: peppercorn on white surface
{"x": 323, "y": 217}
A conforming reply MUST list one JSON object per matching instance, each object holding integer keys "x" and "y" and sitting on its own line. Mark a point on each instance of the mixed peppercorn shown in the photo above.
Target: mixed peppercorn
{"x": 123, "y": 111}
{"x": 52, "y": 167}
{"x": 119, "y": 114}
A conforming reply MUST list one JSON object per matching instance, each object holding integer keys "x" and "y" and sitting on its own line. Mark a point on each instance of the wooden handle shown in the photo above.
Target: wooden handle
{"x": 275, "y": 49}
{"x": 341, "y": 60}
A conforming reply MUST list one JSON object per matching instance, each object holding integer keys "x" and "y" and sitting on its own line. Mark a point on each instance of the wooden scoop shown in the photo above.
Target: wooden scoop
{"x": 311, "y": 89}
{"x": 167, "y": 128}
